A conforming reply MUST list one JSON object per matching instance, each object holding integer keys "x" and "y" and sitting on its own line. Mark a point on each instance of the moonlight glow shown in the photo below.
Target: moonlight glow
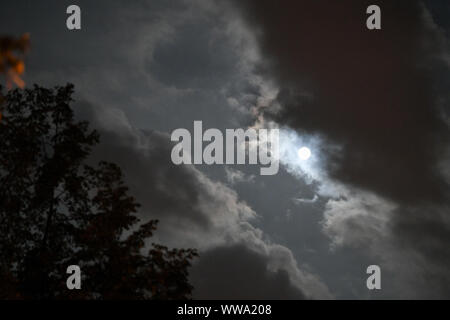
{"x": 304, "y": 153}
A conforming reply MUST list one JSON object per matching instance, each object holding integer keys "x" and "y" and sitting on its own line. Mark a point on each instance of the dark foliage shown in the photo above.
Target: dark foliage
{"x": 55, "y": 210}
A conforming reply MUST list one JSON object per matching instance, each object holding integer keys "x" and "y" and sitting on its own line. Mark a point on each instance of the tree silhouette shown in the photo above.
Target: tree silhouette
{"x": 55, "y": 211}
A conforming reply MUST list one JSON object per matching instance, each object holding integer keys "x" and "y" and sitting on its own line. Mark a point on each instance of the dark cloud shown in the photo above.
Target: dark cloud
{"x": 371, "y": 92}
{"x": 426, "y": 230}
{"x": 196, "y": 57}
{"x": 382, "y": 98}
{"x": 410, "y": 244}
{"x": 196, "y": 211}
{"x": 237, "y": 272}
{"x": 165, "y": 190}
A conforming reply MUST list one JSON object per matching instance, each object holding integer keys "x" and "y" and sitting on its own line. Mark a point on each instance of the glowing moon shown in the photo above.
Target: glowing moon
{"x": 304, "y": 153}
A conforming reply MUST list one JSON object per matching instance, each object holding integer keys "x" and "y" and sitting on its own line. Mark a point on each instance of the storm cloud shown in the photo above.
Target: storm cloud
{"x": 373, "y": 93}
{"x": 198, "y": 212}
{"x": 379, "y": 100}
{"x": 217, "y": 276}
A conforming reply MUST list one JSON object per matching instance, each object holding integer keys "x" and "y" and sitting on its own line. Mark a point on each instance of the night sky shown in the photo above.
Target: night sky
{"x": 372, "y": 106}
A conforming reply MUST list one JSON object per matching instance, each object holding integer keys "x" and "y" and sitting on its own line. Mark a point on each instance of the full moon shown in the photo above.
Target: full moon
{"x": 304, "y": 153}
